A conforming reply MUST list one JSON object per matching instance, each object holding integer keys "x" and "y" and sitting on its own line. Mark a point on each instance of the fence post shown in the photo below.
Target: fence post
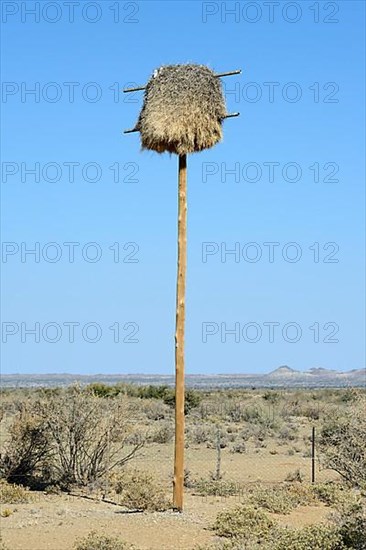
{"x": 313, "y": 455}
{"x": 218, "y": 455}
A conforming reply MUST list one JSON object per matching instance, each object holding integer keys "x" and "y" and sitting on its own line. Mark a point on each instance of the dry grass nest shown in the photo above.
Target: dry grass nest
{"x": 183, "y": 110}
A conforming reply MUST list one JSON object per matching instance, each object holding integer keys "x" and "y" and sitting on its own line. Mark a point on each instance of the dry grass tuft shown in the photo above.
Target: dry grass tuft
{"x": 14, "y": 494}
{"x": 95, "y": 541}
{"x": 140, "y": 491}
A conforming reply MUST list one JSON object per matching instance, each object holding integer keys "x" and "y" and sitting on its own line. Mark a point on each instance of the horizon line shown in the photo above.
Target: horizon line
{"x": 187, "y": 375}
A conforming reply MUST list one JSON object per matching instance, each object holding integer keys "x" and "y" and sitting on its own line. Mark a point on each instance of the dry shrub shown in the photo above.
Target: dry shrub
{"x": 28, "y": 449}
{"x": 251, "y": 529}
{"x": 163, "y": 434}
{"x": 280, "y": 499}
{"x": 14, "y": 494}
{"x": 288, "y": 433}
{"x": 91, "y": 436}
{"x": 201, "y": 434}
{"x": 260, "y": 533}
{"x": 216, "y": 487}
{"x": 238, "y": 447}
{"x": 330, "y": 493}
{"x": 244, "y": 522}
{"x": 313, "y": 537}
{"x": 226, "y": 544}
{"x": 296, "y": 475}
{"x": 72, "y": 437}
{"x": 139, "y": 491}
{"x": 350, "y": 520}
{"x": 94, "y": 541}
{"x": 155, "y": 410}
{"x": 342, "y": 442}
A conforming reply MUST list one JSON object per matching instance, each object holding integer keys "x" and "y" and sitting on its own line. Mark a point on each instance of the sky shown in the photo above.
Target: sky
{"x": 275, "y": 212}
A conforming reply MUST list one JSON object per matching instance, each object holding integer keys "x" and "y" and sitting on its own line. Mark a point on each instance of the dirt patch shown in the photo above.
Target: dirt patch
{"x": 55, "y": 522}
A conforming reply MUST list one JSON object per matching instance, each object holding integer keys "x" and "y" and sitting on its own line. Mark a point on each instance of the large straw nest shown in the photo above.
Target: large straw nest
{"x": 183, "y": 110}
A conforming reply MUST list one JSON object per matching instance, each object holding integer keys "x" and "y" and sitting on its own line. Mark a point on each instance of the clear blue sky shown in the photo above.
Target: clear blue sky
{"x": 297, "y": 155}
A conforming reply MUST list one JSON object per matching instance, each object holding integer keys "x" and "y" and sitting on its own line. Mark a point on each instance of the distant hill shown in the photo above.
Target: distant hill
{"x": 283, "y": 371}
{"x": 316, "y": 372}
{"x": 284, "y": 376}
{"x": 355, "y": 372}
{"x": 320, "y": 371}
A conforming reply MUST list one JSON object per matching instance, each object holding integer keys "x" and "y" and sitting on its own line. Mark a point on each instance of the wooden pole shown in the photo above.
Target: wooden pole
{"x": 179, "y": 337}
{"x": 313, "y": 455}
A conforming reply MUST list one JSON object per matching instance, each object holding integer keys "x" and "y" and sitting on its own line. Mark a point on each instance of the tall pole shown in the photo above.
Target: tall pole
{"x": 179, "y": 336}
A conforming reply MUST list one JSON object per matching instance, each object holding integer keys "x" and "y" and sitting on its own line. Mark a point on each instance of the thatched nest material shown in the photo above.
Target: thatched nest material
{"x": 183, "y": 110}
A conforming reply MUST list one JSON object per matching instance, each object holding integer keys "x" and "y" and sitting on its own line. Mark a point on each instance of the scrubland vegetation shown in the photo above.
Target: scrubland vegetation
{"x": 248, "y": 457}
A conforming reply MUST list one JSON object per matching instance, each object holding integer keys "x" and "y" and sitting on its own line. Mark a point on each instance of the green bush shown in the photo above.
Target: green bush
{"x": 348, "y": 395}
{"x": 281, "y": 499}
{"x": 330, "y": 493}
{"x": 248, "y": 528}
{"x": 217, "y": 488}
{"x": 103, "y": 390}
{"x": 313, "y": 537}
{"x": 191, "y": 399}
{"x": 93, "y": 541}
{"x": 301, "y": 494}
{"x": 244, "y": 522}
{"x": 152, "y": 392}
{"x": 250, "y": 536}
{"x": 272, "y": 499}
{"x": 271, "y": 396}
{"x": 164, "y": 392}
{"x": 228, "y": 544}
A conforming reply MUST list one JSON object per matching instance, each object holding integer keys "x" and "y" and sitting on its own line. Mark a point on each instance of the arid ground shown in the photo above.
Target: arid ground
{"x": 239, "y": 443}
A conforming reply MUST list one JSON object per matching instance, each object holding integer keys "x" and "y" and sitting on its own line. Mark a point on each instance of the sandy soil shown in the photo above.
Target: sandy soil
{"x": 54, "y": 522}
